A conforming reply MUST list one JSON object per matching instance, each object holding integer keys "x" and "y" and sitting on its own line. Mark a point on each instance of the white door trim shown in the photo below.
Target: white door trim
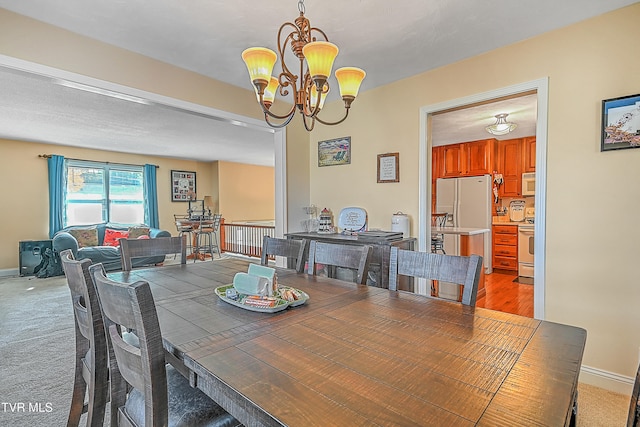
{"x": 541, "y": 86}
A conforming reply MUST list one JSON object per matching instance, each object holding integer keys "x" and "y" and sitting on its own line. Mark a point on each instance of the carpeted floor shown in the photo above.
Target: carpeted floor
{"x": 36, "y": 360}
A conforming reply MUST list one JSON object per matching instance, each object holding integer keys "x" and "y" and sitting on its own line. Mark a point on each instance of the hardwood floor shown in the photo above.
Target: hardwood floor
{"x": 506, "y": 296}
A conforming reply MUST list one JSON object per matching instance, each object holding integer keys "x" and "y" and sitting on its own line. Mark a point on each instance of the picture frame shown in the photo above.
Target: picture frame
{"x": 388, "y": 167}
{"x": 620, "y": 123}
{"x": 334, "y": 152}
{"x": 183, "y": 186}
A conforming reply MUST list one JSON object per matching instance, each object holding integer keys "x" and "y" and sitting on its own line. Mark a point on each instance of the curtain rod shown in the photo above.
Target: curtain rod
{"x": 48, "y": 156}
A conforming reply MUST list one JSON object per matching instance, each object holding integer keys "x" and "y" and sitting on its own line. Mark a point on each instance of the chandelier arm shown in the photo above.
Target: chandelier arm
{"x": 304, "y": 121}
{"x": 277, "y": 116}
{"x": 319, "y": 31}
{"x": 278, "y": 126}
{"x": 266, "y": 111}
{"x": 283, "y": 45}
{"x": 346, "y": 114}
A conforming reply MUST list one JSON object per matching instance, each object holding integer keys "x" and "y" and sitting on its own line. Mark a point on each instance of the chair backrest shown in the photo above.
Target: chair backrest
{"x": 290, "y": 248}
{"x": 91, "y": 344}
{"x": 142, "y": 248}
{"x": 439, "y": 219}
{"x": 355, "y": 257}
{"x": 210, "y": 225}
{"x": 462, "y": 270}
{"x": 182, "y": 223}
{"x": 131, "y": 307}
{"x": 633, "y": 420}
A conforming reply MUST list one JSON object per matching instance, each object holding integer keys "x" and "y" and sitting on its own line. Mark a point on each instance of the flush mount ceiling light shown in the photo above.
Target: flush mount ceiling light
{"x": 501, "y": 126}
{"x": 310, "y": 92}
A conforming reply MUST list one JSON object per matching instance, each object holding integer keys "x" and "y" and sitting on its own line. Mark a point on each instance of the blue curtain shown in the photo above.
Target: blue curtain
{"x": 56, "y": 193}
{"x": 151, "y": 197}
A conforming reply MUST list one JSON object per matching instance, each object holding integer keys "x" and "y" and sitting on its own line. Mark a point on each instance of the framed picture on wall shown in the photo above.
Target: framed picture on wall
{"x": 621, "y": 123}
{"x": 183, "y": 186}
{"x": 389, "y": 167}
{"x": 334, "y": 151}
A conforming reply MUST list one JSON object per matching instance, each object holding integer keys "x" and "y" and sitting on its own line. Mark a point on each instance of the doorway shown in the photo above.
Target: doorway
{"x": 540, "y": 87}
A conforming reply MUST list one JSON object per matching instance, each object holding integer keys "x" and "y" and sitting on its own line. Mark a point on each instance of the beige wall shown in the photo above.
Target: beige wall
{"x": 247, "y": 193}
{"x": 592, "y": 197}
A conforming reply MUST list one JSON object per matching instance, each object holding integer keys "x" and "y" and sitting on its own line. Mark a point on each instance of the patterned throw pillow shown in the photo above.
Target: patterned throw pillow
{"x": 85, "y": 236}
{"x": 112, "y": 237}
{"x": 135, "y": 232}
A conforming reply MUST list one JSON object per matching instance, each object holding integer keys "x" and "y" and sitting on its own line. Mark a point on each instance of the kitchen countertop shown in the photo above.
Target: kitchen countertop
{"x": 462, "y": 231}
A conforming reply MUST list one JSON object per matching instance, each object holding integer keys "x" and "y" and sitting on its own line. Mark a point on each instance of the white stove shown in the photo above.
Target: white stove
{"x": 526, "y": 243}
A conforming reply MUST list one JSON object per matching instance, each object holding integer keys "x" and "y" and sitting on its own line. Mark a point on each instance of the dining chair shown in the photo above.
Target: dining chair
{"x": 184, "y": 227}
{"x": 437, "y": 239}
{"x": 461, "y": 270}
{"x": 293, "y": 249}
{"x": 91, "y": 378}
{"x": 336, "y": 256}
{"x": 633, "y": 420}
{"x": 145, "y": 391}
{"x": 142, "y": 248}
{"x": 207, "y": 236}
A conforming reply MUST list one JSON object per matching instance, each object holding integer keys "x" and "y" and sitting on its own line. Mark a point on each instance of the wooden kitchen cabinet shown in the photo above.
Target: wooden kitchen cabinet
{"x": 505, "y": 247}
{"x": 529, "y": 154}
{"x": 510, "y": 166}
{"x": 480, "y": 157}
{"x": 451, "y": 162}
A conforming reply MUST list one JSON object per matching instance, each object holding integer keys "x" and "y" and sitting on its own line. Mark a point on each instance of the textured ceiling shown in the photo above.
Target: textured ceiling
{"x": 390, "y": 40}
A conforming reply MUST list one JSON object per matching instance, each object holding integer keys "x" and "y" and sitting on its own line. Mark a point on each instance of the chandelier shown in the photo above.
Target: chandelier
{"x": 501, "y": 126}
{"x": 309, "y": 93}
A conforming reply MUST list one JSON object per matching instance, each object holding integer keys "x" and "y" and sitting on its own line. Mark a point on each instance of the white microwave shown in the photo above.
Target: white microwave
{"x": 529, "y": 184}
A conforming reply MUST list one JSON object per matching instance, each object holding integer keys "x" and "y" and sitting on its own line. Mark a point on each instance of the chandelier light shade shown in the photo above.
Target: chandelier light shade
{"x": 260, "y": 62}
{"x": 501, "y": 126}
{"x": 308, "y": 88}
{"x": 349, "y": 79}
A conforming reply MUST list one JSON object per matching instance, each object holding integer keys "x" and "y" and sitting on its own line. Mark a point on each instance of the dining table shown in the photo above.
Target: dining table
{"x": 357, "y": 355}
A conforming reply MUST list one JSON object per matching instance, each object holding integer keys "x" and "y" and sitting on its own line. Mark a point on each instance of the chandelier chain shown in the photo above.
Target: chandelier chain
{"x": 301, "y": 6}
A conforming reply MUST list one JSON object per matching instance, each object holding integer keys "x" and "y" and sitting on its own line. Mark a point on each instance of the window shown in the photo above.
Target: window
{"x": 99, "y": 192}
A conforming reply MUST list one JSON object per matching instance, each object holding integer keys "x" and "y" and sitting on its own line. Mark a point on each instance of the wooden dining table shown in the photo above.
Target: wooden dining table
{"x": 358, "y": 355}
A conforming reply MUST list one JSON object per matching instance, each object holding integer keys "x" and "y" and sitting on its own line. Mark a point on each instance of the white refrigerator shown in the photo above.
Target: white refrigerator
{"x": 467, "y": 200}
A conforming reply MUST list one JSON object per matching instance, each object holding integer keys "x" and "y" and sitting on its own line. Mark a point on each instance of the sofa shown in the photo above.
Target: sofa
{"x": 99, "y": 242}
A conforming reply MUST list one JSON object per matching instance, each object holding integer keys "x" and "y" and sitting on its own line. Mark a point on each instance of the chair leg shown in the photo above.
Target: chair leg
{"x": 77, "y": 399}
{"x": 216, "y": 244}
{"x": 196, "y": 250}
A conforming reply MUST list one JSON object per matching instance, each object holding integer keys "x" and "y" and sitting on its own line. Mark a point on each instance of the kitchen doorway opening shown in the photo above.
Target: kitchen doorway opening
{"x": 540, "y": 88}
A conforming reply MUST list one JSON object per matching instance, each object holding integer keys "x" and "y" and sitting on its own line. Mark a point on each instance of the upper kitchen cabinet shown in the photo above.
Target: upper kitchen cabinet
{"x": 480, "y": 157}
{"x": 529, "y": 154}
{"x": 451, "y": 160}
{"x": 510, "y": 166}
{"x": 464, "y": 159}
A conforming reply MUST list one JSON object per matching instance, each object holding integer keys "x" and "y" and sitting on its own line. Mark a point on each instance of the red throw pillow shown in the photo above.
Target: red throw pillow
{"x": 143, "y": 237}
{"x": 112, "y": 237}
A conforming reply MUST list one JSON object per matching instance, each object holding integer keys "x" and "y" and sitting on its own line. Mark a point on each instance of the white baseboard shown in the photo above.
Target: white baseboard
{"x": 607, "y": 380}
{"x": 8, "y": 272}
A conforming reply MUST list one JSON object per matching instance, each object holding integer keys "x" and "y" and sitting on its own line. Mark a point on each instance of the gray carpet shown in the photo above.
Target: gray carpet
{"x": 36, "y": 360}
{"x": 36, "y": 350}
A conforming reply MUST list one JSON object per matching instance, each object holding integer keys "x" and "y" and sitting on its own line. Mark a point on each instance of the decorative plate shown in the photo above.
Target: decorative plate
{"x": 252, "y": 303}
{"x": 352, "y": 219}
